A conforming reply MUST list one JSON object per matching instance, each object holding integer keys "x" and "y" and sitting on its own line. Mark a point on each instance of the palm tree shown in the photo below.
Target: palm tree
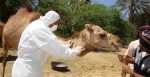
{"x": 84, "y": 1}
{"x": 132, "y": 7}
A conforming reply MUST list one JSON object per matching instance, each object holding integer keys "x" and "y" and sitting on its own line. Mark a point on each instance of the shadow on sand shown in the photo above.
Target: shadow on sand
{"x": 9, "y": 58}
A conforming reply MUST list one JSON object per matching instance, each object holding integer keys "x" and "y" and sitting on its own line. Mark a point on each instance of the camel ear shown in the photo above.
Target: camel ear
{"x": 88, "y": 27}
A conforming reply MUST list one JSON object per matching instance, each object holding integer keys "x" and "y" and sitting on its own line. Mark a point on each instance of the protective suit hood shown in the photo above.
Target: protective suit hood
{"x": 50, "y": 17}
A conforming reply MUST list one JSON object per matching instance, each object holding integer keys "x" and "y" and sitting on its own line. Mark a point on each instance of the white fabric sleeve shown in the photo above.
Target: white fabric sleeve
{"x": 132, "y": 49}
{"x": 47, "y": 42}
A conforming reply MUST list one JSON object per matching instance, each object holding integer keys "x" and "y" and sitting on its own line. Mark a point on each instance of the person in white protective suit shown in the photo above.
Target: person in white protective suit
{"x": 36, "y": 43}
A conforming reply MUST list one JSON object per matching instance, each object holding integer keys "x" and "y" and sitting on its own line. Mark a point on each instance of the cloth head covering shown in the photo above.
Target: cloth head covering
{"x": 145, "y": 27}
{"x": 145, "y": 39}
{"x": 50, "y": 17}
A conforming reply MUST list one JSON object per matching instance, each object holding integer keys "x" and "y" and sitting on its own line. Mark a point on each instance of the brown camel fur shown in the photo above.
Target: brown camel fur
{"x": 1, "y": 28}
{"x": 122, "y": 60}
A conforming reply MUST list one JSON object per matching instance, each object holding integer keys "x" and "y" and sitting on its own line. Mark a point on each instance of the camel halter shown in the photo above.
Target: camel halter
{"x": 99, "y": 46}
{"x": 94, "y": 45}
{"x": 115, "y": 53}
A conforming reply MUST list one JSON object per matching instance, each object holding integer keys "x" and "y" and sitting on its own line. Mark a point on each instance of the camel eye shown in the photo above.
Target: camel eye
{"x": 103, "y": 34}
{"x": 118, "y": 41}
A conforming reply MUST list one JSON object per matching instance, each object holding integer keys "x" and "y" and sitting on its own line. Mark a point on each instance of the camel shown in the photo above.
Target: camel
{"x": 1, "y": 28}
{"x": 1, "y": 31}
{"x": 92, "y": 36}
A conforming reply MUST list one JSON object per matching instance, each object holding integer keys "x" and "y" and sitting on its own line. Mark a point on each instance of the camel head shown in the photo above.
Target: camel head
{"x": 94, "y": 37}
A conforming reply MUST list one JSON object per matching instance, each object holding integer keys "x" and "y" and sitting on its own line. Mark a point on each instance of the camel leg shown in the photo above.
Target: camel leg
{"x": 5, "y": 51}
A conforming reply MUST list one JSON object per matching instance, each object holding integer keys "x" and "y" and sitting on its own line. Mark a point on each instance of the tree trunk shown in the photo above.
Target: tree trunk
{"x": 131, "y": 15}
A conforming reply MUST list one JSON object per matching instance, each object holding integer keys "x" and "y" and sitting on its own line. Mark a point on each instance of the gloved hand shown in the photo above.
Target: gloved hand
{"x": 79, "y": 49}
{"x": 69, "y": 43}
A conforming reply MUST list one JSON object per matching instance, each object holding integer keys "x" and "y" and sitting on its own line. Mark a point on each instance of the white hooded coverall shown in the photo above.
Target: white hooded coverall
{"x": 36, "y": 43}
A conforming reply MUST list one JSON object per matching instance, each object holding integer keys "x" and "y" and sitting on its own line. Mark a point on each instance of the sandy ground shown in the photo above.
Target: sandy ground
{"x": 94, "y": 64}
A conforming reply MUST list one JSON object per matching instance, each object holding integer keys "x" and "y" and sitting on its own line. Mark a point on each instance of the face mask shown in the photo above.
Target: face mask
{"x": 54, "y": 27}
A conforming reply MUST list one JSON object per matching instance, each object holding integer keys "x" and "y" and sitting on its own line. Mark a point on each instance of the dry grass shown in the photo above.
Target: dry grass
{"x": 102, "y": 64}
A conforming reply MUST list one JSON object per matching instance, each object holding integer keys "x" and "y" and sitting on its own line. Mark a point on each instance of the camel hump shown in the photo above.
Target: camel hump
{"x": 34, "y": 16}
{"x": 27, "y": 6}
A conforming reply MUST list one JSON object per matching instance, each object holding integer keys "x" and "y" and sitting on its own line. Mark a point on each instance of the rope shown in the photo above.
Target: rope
{"x": 104, "y": 48}
{"x": 115, "y": 53}
{"x": 94, "y": 45}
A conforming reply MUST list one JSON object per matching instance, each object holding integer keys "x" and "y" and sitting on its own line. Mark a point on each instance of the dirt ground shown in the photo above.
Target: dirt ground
{"x": 94, "y": 64}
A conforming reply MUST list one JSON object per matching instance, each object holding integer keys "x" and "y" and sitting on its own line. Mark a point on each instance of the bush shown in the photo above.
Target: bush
{"x": 124, "y": 29}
